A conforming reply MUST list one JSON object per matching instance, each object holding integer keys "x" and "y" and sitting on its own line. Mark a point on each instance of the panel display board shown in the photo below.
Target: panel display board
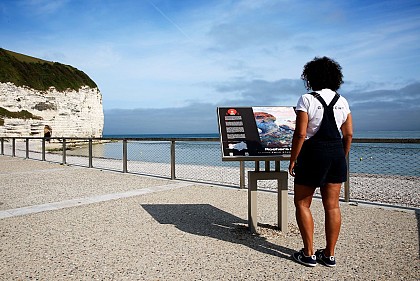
{"x": 256, "y": 131}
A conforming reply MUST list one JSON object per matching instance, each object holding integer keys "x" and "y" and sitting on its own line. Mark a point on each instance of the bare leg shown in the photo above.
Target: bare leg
{"x": 303, "y": 199}
{"x": 330, "y": 199}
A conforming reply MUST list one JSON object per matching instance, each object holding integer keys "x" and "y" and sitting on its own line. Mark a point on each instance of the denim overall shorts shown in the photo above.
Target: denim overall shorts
{"x": 322, "y": 159}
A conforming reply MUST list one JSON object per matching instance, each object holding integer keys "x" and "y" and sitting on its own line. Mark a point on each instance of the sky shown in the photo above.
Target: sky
{"x": 164, "y": 66}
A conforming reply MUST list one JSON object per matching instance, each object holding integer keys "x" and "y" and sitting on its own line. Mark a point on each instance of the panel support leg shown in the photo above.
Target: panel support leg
{"x": 282, "y": 218}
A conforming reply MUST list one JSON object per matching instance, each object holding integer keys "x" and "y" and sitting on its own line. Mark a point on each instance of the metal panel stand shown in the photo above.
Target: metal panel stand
{"x": 281, "y": 177}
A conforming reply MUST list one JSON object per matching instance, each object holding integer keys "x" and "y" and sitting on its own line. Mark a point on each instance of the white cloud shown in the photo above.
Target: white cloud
{"x": 377, "y": 110}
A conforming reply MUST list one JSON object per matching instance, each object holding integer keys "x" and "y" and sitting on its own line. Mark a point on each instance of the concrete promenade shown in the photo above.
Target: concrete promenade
{"x": 60, "y": 222}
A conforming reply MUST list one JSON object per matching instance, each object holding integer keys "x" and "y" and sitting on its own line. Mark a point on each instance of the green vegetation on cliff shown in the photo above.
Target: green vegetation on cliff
{"x": 39, "y": 74}
{"x": 23, "y": 114}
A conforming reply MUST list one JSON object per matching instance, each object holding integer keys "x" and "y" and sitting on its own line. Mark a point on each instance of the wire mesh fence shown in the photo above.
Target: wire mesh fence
{"x": 202, "y": 161}
{"x": 383, "y": 171}
{"x": 149, "y": 157}
{"x": 386, "y": 172}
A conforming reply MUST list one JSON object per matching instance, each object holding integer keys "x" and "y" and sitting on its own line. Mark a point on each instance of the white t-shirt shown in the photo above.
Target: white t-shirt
{"x": 310, "y": 104}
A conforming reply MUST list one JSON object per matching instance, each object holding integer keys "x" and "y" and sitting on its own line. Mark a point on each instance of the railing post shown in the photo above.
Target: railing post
{"x": 241, "y": 174}
{"x": 124, "y": 156}
{"x": 2, "y": 146}
{"x": 347, "y": 183}
{"x": 64, "y": 151}
{"x": 27, "y": 148}
{"x": 13, "y": 147}
{"x": 173, "y": 160}
{"x": 277, "y": 166}
{"x": 267, "y": 166}
{"x": 90, "y": 153}
{"x": 43, "y": 149}
{"x": 257, "y": 166}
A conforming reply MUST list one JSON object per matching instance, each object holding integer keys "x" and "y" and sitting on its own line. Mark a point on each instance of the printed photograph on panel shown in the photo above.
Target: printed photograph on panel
{"x": 275, "y": 126}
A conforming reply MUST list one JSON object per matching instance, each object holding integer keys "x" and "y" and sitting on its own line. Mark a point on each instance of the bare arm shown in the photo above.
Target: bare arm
{"x": 298, "y": 138}
{"x": 347, "y": 130}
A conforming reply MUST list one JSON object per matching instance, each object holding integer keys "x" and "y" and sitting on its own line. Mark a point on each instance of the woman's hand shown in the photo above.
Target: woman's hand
{"x": 292, "y": 168}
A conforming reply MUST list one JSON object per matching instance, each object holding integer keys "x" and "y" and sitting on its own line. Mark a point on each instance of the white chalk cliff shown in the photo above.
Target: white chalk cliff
{"x": 70, "y": 113}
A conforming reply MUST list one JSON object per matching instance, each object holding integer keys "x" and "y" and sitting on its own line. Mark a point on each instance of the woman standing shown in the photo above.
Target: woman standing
{"x": 318, "y": 157}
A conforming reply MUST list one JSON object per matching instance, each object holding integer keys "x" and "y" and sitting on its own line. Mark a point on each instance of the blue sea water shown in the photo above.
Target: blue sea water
{"x": 166, "y": 136}
{"x": 386, "y": 158}
{"x": 371, "y": 158}
{"x": 387, "y": 134}
{"x": 357, "y": 134}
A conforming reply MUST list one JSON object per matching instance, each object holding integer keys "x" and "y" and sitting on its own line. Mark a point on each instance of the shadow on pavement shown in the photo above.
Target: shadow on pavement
{"x": 207, "y": 220}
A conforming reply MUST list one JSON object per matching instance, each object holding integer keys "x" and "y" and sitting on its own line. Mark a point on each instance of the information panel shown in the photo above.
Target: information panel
{"x": 256, "y": 131}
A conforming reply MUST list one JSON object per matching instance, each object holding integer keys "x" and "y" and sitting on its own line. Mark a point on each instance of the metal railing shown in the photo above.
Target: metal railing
{"x": 380, "y": 170}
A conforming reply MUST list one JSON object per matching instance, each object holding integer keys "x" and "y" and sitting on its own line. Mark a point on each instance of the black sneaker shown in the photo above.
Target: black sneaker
{"x": 328, "y": 261}
{"x": 306, "y": 260}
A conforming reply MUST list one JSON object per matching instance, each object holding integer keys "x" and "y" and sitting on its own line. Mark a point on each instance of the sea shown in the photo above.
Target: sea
{"x": 360, "y": 134}
{"x": 402, "y": 159}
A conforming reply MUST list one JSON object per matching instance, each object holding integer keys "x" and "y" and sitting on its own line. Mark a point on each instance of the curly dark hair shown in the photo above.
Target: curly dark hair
{"x": 322, "y": 73}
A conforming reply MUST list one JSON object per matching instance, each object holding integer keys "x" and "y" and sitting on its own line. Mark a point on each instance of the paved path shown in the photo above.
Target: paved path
{"x": 70, "y": 223}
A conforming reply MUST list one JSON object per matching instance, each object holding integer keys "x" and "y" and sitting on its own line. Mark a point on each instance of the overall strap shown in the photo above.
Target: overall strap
{"x": 321, "y": 100}
{"x": 328, "y": 130}
{"x": 334, "y": 100}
